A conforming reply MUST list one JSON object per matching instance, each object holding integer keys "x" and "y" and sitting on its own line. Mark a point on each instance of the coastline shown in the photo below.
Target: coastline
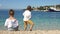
{"x": 32, "y": 32}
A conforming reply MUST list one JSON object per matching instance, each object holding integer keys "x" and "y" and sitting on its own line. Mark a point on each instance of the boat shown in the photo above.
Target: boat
{"x": 52, "y": 9}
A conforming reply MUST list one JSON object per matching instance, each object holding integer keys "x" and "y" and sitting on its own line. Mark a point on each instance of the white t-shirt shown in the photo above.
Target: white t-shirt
{"x": 9, "y": 23}
{"x": 27, "y": 15}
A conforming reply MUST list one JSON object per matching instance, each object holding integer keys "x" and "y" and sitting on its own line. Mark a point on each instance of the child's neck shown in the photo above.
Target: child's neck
{"x": 11, "y": 17}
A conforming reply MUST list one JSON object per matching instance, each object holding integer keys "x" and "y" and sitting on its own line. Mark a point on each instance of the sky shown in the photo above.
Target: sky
{"x": 21, "y": 4}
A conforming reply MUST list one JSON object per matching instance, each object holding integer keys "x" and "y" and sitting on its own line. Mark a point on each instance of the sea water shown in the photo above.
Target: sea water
{"x": 42, "y": 20}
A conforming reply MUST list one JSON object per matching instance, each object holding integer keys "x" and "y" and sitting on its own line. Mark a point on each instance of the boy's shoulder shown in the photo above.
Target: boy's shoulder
{"x": 7, "y": 19}
{"x": 15, "y": 19}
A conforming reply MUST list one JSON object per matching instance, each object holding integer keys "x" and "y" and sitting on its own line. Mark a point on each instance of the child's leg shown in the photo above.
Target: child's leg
{"x": 31, "y": 24}
{"x": 25, "y": 25}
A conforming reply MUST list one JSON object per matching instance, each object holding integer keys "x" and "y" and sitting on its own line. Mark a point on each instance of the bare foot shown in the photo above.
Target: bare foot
{"x": 30, "y": 29}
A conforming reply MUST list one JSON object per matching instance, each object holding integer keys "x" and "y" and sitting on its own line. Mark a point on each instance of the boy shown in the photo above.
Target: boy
{"x": 11, "y": 23}
{"x": 26, "y": 19}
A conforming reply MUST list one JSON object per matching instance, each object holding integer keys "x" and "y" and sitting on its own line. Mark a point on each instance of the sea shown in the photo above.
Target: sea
{"x": 42, "y": 20}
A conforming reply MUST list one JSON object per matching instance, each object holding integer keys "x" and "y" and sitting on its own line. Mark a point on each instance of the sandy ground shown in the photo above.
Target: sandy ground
{"x": 32, "y": 32}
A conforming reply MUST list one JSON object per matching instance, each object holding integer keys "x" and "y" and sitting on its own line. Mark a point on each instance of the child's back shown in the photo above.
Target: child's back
{"x": 11, "y": 23}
